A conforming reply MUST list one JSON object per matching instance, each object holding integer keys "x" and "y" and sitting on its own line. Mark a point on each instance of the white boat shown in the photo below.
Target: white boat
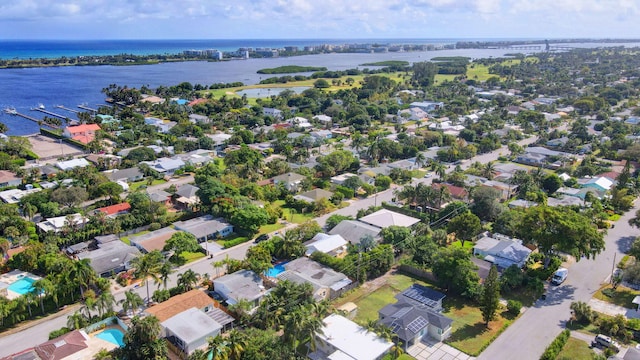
{"x": 40, "y": 106}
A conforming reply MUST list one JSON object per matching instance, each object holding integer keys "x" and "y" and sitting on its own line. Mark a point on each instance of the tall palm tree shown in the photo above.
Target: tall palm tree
{"x": 147, "y": 266}
{"x": 188, "y": 279}
{"x": 131, "y": 301}
{"x": 440, "y": 169}
{"x": 76, "y": 321}
{"x": 217, "y": 265}
{"x": 165, "y": 272}
{"x": 489, "y": 170}
{"x": 421, "y": 160}
{"x": 105, "y": 302}
{"x": 39, "y": 290}
{"x": 237, "y": 343}
{"x": 83, "y": 274}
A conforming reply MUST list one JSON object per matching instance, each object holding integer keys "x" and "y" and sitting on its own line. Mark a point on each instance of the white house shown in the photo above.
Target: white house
{"x": 501, "y": 250}
{"x": 343, "y": 339}
{"x": 241, "y": 285}
{"x": 56, "y": 224}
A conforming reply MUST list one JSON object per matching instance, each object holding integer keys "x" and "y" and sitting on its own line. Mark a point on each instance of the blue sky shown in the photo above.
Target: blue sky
{"x": 307, "y": 19}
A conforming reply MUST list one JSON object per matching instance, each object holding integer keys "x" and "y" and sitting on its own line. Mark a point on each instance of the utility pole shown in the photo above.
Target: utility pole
{"x": 613, "y": 267}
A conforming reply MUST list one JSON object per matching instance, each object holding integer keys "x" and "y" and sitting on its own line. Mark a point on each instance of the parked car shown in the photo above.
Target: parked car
{"x": 260, "y": 238}
{"x": 559, "y": 276}
{"x": 428, "y": 175}
{"x": 603, "y": 341}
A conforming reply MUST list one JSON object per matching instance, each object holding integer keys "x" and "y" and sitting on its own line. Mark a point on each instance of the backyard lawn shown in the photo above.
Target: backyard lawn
{"x": 136, "y": 185}
{"x": 291, "y": 215}
{"x": 576, "y": 349}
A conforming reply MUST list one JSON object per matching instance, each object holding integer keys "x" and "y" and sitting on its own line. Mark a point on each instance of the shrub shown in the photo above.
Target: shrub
{"x": 55, "y": 333}
{"x": 513, "y": 307}
{"x": 582, "y": 312}
{"x": 154, "y": 226}
{"x": 552, "y": 351}
{"x": 123, "y": 278}
{"x": 161, "y": 295}
{"x": 237, "y": 241}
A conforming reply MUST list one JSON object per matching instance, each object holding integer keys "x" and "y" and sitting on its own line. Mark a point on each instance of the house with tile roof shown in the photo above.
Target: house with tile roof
{"x": 384, "y": 218}
{"x": 84, "y": 133}
{"x": 7, "y": 178}
{"x": 115, "y": 210}
{"x": 154, "y": 240}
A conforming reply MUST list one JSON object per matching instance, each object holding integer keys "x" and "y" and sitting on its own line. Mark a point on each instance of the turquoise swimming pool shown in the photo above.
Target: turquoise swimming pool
{"x": 113, "y": 336}
{"x": 275, "y": 270}
{"x": 22, "y": 286}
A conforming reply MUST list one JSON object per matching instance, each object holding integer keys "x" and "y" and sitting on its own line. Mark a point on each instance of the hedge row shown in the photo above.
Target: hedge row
{"x": 552, "y": 351}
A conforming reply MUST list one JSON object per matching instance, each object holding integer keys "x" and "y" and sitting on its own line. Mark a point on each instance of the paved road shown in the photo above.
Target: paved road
{"x": 527, "y": 338}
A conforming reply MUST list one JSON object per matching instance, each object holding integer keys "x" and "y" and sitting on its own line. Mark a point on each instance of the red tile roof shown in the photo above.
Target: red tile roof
{"x": 82, "y": 128}
{"x": 85, "y": 139}
{"x": 115, "y": 209}
{"x": 62, "y": 346}
{"x": 456, "y": 192}
{"x": 197, "y": 101}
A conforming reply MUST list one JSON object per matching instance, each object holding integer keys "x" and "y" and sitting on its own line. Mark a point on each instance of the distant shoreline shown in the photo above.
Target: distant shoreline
{"x": 210, "y": 54}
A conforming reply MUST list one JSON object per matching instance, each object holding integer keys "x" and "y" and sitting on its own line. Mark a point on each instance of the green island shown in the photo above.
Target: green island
{"x": 387, "y": 63}
{"x": 290, "y": 69}
{"x": 236, "y": 187}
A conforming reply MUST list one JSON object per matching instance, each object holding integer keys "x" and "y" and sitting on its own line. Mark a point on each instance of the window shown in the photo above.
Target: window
{"x": 439, "y": 331}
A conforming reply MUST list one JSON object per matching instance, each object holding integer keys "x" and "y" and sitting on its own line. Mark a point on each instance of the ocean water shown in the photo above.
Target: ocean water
{"x": 24, "y": 89}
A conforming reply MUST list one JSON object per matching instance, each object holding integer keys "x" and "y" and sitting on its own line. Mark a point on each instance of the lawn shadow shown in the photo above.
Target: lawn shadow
{"x": 453, "y": 302}
{"x": 556, "y": 296}
{"x": 508, "y": 315}
{"x": 468, "y": 332}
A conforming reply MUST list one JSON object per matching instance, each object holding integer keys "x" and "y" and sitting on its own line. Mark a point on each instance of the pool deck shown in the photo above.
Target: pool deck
{"x": 13, "y": 276}
{"x": 96, "y": 344}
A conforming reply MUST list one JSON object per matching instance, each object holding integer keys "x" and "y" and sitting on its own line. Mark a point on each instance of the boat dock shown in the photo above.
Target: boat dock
{"x": 49, "y": 113}
{"x": 37, "y": 121}
{"x": 84, "y": 107}
{"x": 66, "y": 108}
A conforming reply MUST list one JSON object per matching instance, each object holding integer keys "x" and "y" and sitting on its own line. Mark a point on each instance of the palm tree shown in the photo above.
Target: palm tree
{"x": 217, "y": 265}
{"x": 165, "y": 271}
{"x": 489, "y": 170}
{"x": 421, "y": 160}
{"x": 40, "y": 292}
{"x": 440, "y": 169}
{"x": 188, "y": 279}
{"x": 83, "y": 274}
{"x": 147, "y": 266}
{"x": 4, "y": 246}
{"x": 105, "y": 302}
{"x": 237, "y": 343}
{"x": 131, "y": 301}
{"x": 218, "y": 348}
{"x": 76, "y": 321}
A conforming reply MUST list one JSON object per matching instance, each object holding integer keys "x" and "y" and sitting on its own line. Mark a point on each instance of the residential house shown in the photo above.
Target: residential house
{"x": 274, "y": 113}
{"x": 565, "y": 201}
{"x": 324, "y": 119}
{"x": 404, "y": 165}
{"x": 196, "y": 158}
{"x": 110, "y": 258}
{"x": 165, "y": 166}
{"x": 582, "y": 193}
{"x": 13, "y": 196}
{"x": 163, "y": 126}
{"x": 559, "y": 142}
{"x": 62, "y": 347}
{"x": 506, "y": 190}
{"x": 72, "y": 164}
{"x": 205, "y": 227}
{"x": 154, "y": 240}
{"x": 385, "y": 218}
{"x": 290, "y": 180}
{"x": 321, "y": 134}
{"x": 412, "y": 323}
{"x": 334, "y": 245}
{"x": 56, "y": 224}
{"x": 84, "y": 133}
{"x": 7, "y": 178}
{"x": 341, "y": 338}
{"x": 427, "y": 106}
{"x": 353, "y": 231}
{"x": 299, "y": 122}
{"x": 115, "y": 210}
{"x": 240, "y": 285}
{"x": 106, "y": 161}
{"x": 340, "y": 179}
{"x": 125, "y": 175}
{"x": 220, "y": 140}
{"x": 411, "y": 114}
{"x": 599, "y": 183}
{"x": 160, "y": 196}
{"x": 187, "y": 196}
{"x": 501, "y": 250}
{"x": 327, "y": 283}
{"x": 188, "y": 319}
{"x": 196, "y": 118}
{"x": 539, "y": 156}
{"x": 314, "y": 195}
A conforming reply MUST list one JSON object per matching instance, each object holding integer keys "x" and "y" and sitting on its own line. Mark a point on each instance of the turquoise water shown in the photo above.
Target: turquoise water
{"x": 22, "y": 286}
{"x": 276, "y": 270}
{"x": 113, "y": 336}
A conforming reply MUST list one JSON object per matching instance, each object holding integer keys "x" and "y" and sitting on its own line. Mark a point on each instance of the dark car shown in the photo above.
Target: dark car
{"x": 260, "y": 238}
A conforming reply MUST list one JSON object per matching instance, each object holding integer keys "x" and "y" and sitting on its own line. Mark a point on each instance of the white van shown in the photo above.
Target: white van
{"x": 559, "y": 276}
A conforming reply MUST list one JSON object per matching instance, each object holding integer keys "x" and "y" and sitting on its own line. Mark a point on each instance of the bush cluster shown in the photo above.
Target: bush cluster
{"x": 552, "y": 351}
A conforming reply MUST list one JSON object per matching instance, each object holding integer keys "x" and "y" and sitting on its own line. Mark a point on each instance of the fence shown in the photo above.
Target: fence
{"x": 423, "y": 274}
{"x": 104, "y": 323}
{"x": 336, "y": 294}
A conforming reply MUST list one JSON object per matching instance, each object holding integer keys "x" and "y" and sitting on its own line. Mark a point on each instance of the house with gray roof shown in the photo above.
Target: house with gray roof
{"x": 154, "y": 240}
{"x": 412, "y": 323}
{"x": 127, "y": 175}
{"x": 110, "y": 258}
{"x": 241, "y": 285}
{"x": 190, "y": 329}
{"x": 165, "y": 166}
{"x": 501, "y": 250}
{"x": 353, "y": 231}
{"x": 290, "y": 180}
{"x": 160, "y": 196}
{"x": 327, "y": 283}
{"x": 205, "y": 227}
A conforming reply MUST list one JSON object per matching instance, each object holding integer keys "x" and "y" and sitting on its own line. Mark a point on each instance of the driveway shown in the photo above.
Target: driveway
{"x": 432, "y": 350}
{"x": 528, "y": 336}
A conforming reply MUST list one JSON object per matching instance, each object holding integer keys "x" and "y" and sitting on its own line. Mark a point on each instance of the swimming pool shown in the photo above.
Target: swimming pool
{"x": 275, "y": 270}
{"x": 113, "y": 336}
{"x": 22, "y": 286}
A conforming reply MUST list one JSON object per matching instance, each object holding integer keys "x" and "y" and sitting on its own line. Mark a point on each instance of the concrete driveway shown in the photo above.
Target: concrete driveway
{"x": 432, "y": 350}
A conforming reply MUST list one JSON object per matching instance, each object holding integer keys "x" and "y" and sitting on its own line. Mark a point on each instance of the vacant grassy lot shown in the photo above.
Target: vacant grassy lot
{"x": 576, "y": 349}
{"x": 291, "y": 215}
{"x": 469, "y": 334}
{"x": 136, "y": 185}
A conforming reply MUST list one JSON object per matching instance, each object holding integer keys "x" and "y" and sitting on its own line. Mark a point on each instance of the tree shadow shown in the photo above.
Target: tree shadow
{"x": 556, "y": 296}
{"x": 468, "y": 332}
{"x": 624, "y": 243}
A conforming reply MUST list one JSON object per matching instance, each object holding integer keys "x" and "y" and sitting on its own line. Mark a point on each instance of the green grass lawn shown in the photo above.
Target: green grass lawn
{"x": 265, "y": 229}
{"x": 191, "y": 256}
{"x": 622, "y": 296}
{"x": 126, "y": 240}
{"x": 291, "y": 215}
{"x": 576, "y": 349}
{"x": 458, "y": 244}
{"x": 136, "y": 185}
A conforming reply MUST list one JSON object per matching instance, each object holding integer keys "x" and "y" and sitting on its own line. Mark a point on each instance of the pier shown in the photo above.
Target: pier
{"x": 50, "y": 113}
{"x": 66, "y": 108}
{"x": 83, "y": 107}
{"x": 37, "y": 121}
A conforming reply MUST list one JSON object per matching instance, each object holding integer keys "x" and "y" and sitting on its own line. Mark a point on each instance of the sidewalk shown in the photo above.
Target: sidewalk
{"x": 613, "y": 310}
{"x": 28, "y": 324}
